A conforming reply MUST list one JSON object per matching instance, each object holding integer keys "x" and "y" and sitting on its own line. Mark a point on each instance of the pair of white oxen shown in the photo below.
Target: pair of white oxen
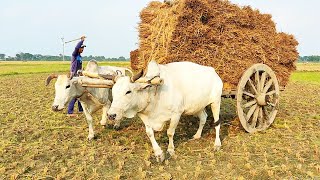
{"x": 186, "y": 89}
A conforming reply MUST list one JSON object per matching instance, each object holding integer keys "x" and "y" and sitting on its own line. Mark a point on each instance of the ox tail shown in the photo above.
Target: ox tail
{"x": 217, "y": 123}
{"x": 215, "y": 107}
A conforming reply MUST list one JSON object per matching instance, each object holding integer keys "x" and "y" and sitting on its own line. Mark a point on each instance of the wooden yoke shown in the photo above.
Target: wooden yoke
{"x": 91, "y": 75}
{"x": 95, "y": 83}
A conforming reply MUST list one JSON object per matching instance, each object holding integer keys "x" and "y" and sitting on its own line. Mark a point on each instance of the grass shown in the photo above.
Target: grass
{"x": 307, "y": 73}
{"x": 36, "y": 143}
{"x": 306, "y": 77}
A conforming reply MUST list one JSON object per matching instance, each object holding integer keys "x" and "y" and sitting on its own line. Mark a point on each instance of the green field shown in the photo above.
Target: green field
{"x": 13, "y": 68}
{"x": 37, "y": 143}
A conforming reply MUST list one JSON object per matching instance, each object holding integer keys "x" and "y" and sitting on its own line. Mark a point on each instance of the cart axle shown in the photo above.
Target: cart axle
{"x": 261, "y": 99}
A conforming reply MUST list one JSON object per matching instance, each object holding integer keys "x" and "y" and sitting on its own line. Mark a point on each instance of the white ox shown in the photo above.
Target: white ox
{"x": 91, "y": 99}
{"x": 186, "y": 90}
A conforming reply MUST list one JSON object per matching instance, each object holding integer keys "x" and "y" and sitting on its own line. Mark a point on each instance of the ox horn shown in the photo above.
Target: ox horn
{"x": 154, "y": 81}
{"x": 107, "y": 76}
{"x": 127, "y": 72}
{"x": 137, "y": 76}
{"x": 49, "y": 78}
{"x": 98, "y": 75}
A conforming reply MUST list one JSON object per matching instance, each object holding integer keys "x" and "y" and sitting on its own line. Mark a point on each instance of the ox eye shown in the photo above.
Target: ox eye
{"x": 67, "y": 86}
{"x": 128, "y": 92}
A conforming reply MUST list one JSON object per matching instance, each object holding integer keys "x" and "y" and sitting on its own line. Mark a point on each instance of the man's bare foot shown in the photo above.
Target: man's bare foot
{"x": 72, "y": 115}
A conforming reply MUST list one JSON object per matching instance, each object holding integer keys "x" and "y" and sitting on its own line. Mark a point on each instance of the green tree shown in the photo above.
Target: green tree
{"x": 2, "y": 56}
{"x": 27, "y": 56}
{"x": 310, "y": 59}
{"x": 121, "y": 58}
{"x": 18, "y": 57}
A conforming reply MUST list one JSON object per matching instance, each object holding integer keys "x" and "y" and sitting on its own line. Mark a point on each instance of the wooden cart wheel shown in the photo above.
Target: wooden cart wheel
{"x": 257, "y": 98}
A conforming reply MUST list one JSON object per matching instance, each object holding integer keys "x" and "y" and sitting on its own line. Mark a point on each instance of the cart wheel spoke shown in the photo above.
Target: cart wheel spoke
{"x": 268, "y": 85}
{"x": 257, "y": 81}
{"x": 251, "y": 111}
{"x": 265, "y": 112}
{"x": 270, "y": 113}
{"x": 252, "y": 86}
{"x": 248, "y": 94}
{"x": 263, "y": 80}
{"x": 271, "y": 93}
{"x": 260, "y": 119}
{"x": 249, "y": 104}
{"x": 255, "y": 117}
{"x": 272, "y": 116}
{"x": 271, "y": 104}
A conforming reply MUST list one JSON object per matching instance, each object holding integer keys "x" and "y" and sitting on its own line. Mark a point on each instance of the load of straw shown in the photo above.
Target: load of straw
{"x": 134, "y": 59}
{"x": 213, "y": 33}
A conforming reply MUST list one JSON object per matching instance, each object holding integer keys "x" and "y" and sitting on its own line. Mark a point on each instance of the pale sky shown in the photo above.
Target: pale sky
{"x": 36, "y": 26}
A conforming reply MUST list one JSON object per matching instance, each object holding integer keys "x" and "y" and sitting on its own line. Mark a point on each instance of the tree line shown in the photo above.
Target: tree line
{"x": 38, "y": 57}
{"x": 309, "y": 59}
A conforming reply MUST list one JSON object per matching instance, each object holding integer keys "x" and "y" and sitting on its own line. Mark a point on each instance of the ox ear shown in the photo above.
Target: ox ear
{"x": 74, "y": 81}
{"x": 153, "y": 69}
{"x": 70, "y": 75}
{"x": 128, "y": 72}
{"x": 49, "y": 78}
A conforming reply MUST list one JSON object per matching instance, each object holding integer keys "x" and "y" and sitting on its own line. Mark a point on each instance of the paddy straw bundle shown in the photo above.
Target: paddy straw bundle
{"x": 214, "y": 33}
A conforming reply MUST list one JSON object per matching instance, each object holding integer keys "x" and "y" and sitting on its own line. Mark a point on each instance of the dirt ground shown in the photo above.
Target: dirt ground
{"x": 36, "y": 142}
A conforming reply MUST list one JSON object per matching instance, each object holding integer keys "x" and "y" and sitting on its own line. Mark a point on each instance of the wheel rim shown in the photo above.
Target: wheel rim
{"x": 257, "y": 98}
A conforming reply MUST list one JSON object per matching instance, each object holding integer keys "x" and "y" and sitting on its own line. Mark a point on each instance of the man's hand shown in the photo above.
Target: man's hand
{"x": 82, "y": 38}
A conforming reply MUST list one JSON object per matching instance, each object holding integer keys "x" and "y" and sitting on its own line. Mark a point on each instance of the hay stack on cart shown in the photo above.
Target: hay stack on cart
{"x": 242, "y": 44}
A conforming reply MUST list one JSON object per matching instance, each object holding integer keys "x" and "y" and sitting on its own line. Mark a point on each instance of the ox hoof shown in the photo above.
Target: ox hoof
{"x": 171, "y": 156}
{"x": 171, "y": 152}
{"x": 196, "y": 137}
{"x": 217, "y": 148}
{"x": 90, "y": 137}
{"x": 160, "y": 156}
{"x": 103, "y": 123}
{"x": 217, "y": 145}
{"x": 116, "y": 126}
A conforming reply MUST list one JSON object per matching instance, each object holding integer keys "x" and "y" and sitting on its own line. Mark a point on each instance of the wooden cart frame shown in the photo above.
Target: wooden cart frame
{"x": 257, "y": 95}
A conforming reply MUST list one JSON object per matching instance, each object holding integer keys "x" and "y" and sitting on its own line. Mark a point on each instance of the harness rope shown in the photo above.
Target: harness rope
{"x": 94, "y": 99}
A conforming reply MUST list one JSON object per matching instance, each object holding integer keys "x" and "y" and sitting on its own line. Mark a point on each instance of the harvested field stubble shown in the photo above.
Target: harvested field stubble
{"x": 214, "y": 33}
{"x": 36, "y": 143}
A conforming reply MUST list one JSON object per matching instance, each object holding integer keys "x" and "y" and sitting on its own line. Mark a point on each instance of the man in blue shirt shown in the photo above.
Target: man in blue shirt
{"x": 76, "y": 64}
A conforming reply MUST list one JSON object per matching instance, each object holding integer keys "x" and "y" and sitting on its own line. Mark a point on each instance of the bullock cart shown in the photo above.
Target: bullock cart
{"x": 240, "y": 43}
{"x": 257, "y": 95}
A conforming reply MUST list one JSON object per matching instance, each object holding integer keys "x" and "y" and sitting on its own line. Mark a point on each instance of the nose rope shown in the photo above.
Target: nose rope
{"x": 94, "y": 99}
{"x": 149, "y": 96}
{"x": 85, "y": 91}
